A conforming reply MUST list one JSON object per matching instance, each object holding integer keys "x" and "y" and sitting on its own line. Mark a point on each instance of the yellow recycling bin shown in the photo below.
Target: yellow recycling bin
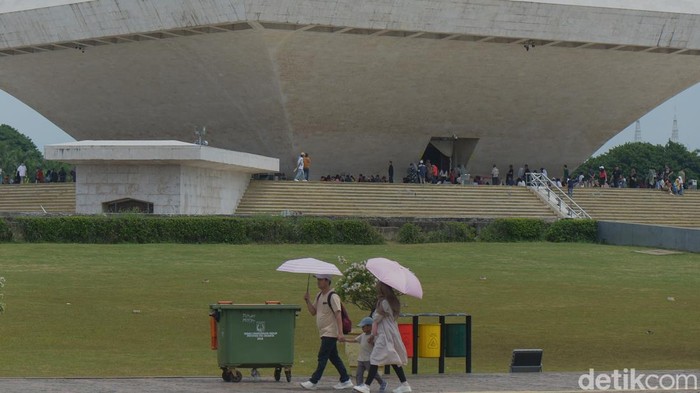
{"x": 429, "y": 340}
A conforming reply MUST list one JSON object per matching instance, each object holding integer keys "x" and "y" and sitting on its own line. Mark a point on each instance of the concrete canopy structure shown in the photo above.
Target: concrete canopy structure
{"x": 354, "y": 83}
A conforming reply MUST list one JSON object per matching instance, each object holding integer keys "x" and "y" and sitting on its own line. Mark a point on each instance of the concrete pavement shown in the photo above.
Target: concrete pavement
{"x": 550, "y": 382}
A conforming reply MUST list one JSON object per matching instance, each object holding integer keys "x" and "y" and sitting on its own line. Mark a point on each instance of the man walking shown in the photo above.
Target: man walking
{"x": 330, "y": 328}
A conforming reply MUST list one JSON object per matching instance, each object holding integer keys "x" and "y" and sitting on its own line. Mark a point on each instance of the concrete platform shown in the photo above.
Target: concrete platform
{"x": 168, "y": 177}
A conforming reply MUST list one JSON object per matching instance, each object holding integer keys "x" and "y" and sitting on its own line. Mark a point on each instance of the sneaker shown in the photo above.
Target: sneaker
{"x": 344, "y": 385}
{"x": 403, "y": 388}
{"x": 308, "y": 385}
{"x": 296, "y": 179}
{"x": 361, "y": 388}
{"x": 382, "y": 387}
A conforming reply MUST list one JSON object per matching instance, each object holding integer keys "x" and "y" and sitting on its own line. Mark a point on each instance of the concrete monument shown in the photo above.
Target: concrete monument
{"x": 354, "y": 83}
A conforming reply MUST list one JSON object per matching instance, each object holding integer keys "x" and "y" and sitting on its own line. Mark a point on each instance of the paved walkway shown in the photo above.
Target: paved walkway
{"x": 424, "y": 383}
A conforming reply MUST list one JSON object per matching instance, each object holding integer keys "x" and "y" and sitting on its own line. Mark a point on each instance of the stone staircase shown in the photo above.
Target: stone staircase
{"x": 390, "y": 200}
{"x": 643, "y": 206}
{"x": 31, "y": 198}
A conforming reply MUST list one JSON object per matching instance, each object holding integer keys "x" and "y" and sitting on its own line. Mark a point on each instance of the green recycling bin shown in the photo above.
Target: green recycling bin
{"x": 455, "y": 340}
{"x": 253, "y": 336}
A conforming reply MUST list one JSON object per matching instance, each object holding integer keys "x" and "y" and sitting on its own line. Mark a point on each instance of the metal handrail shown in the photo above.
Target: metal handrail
{"x": 561, "y": 200}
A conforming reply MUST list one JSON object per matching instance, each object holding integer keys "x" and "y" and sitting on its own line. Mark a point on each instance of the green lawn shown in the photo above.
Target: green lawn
{"x": 70, "y": 308}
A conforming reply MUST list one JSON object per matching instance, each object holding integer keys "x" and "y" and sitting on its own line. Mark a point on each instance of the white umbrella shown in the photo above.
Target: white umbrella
{"x": 309, "y": 266}
{"x": 396, "y": 276}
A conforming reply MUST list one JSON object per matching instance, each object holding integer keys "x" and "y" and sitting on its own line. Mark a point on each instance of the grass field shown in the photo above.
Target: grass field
{"x": 70, "y": 308}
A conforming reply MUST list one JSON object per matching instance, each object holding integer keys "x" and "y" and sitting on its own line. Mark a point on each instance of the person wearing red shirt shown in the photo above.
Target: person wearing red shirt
{"x": 602, "y": 176}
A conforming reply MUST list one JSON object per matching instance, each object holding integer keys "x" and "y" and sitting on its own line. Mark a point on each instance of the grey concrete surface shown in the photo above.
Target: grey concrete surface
{"x": 427, "y": 383}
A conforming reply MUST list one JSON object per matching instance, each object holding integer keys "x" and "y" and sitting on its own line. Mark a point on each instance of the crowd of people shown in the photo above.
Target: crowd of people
{"x": 425, "y": 172}
{"x": 22, "y": 176}
{"x": 664, "y": 179}
{"x": 360, "y": 178}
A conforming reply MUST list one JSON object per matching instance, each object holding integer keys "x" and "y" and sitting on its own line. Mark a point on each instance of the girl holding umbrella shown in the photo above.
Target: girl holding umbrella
{"x": 388, "y": 347}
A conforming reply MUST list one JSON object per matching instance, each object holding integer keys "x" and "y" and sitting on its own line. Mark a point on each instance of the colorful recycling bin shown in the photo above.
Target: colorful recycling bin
{"x": 429, "y": 340}
{"x": 406, "y": 330}
{"x": 455, "y": 340}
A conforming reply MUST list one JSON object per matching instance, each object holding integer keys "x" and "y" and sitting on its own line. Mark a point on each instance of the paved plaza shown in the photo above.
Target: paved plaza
{"x": 424, "y": 383}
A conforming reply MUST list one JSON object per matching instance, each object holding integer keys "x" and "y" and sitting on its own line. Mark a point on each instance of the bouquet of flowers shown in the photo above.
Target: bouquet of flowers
{"x": 358, "y": 285}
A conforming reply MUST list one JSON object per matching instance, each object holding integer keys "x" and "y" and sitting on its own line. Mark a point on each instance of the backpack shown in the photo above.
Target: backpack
{"x": 345, "y": 318}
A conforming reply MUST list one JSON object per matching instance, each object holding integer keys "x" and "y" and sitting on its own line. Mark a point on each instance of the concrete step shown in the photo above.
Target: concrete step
{"x": 37, "y": 198}
{"x": 390, "y": 200}
{"x": 640, "y": 205}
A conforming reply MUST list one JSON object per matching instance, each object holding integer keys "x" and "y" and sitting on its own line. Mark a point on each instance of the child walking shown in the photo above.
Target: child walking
{"x": 365, "y": 351}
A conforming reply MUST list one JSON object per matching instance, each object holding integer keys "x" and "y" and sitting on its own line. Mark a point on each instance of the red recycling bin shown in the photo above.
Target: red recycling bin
{"x": 406, "y": 330}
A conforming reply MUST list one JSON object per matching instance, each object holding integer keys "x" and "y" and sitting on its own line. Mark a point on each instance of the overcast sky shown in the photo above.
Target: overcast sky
{"x": 681, "y": 6}
{"x": 656, "y": 125}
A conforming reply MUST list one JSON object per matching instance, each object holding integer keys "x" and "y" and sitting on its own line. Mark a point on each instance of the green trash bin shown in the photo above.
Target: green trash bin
{"x": 455, "y": 340}
{"x": 254, "y": 336}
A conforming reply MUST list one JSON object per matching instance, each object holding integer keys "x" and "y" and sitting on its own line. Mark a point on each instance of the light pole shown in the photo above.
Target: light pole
{"x": 199, "y": 134}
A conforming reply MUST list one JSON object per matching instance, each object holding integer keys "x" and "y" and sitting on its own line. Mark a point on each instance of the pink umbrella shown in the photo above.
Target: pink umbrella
{"x": 396, "y": 276}
{"x": 309, "y": 266}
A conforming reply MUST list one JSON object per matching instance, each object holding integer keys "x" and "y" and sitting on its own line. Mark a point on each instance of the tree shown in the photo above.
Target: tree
{"x": 358, "y": 285}
{"x": 645, "y": 156}
{"x": 17, "y": 148}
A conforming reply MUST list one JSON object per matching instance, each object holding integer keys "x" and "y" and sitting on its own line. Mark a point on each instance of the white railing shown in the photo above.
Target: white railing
{"x": 557, "y": 198}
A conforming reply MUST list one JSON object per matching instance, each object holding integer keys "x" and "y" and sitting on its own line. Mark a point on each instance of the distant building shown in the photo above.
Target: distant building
{"x": 638, "y": 132}
{"x": 674, "y": 130}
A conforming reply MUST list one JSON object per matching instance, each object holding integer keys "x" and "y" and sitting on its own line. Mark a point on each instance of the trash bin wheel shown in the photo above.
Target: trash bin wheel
{"x": 237, "y": 376}
{"x": 278, "y": 373}
{"x": 227, "y": 375}
{"x": 288, "y": 374}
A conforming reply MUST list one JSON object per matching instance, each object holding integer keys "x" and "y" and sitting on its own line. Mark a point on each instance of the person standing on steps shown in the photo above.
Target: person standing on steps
{"x": 307, "y": 165}
{"x": 422, "y": 171}
{"x": 391, "y": 172}
{"x": 495, "y": 179}
{"x": 299, "y": 175}
{"x": 21, "y": 173}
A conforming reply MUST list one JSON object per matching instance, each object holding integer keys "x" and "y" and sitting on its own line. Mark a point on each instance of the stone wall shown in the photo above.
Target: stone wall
{"x": 627, "y": 234}
{"x": 173, "y": 189}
